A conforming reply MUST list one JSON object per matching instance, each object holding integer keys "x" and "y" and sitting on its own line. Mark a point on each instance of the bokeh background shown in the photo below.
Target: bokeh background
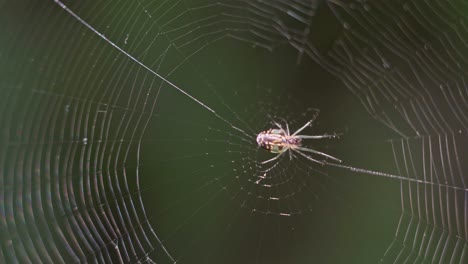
{"x": 104, "y": 159}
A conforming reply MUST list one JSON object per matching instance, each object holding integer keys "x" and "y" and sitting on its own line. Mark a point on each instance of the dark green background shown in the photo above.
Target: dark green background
{"x": 46, "y": 52}
{"x": 352, "y": 222}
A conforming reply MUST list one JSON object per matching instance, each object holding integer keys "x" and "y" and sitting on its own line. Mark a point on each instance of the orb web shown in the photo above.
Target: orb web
{"x": 87, "y": 87}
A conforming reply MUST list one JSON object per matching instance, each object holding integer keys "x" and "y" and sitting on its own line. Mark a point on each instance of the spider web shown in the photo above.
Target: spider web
{"x": 99, "y": 97}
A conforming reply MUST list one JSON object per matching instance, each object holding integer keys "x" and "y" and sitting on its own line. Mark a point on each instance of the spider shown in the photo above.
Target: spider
{"x": 278, "y": 140}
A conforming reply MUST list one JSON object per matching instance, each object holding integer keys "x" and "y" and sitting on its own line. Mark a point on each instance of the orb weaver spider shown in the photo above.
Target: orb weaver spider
{"x": 278, "y": 140}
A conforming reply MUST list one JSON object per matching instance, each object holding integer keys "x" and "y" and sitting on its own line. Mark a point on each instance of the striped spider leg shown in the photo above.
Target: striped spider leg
{"x": 279, "y": 140}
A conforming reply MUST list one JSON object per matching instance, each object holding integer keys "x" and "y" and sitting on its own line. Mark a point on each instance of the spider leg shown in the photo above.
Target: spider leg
{"x": 317, "y": 152}
{"x": 293, "y": 155}
{"x": 272, "y": 159}
{"x": 308, "y": 157}
{"x": 272, "y": 121}
{"x": 318, "y": 136}
{"x": 316, "y": 113}
{"x": 279, "y": 125}
{"x": 302, "y": 128}
{"x": 287, "y": 126}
